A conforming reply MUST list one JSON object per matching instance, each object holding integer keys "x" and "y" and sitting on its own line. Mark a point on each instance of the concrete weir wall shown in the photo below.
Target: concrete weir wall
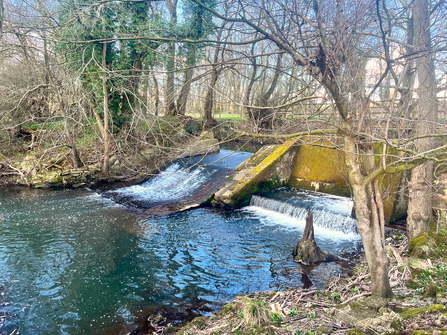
{"x": 268, "y": 168}
{"x": 314, "y": 167}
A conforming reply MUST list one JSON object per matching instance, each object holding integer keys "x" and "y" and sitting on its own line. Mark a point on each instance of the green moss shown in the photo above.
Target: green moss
{"x": 412, "y": 284}
{"x": 414, "y": 312}
{"x": 432, "y": 291}
{"x": 243, "y": 198}
{"x": 420, "y": 332}
{"x": 397, "y": 327}
{"x": 257, "y": 158}
{"x": 433, "y": 226}
{"x": 170, "y": 330}
{"x": 417, "y": 242}
{"x": 400, "y": 309}
{"x": 272, "y": 295}
{"x": 318, "y": 163}
{"x": 208, "y": 200}
{"x": 261, "y": 177}
{"x": 227, "y": 309}
{"x": 199, "y": 322}
{"x": 439, "y": 239}
{"x": 274, "y": 156}
{"x": 355, "y": 331}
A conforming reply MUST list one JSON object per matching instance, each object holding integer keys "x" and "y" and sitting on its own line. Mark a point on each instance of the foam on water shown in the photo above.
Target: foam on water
{"x": 175, "y": 183}
{"x": 325, "y": 221}
{"x": 182, "y": 180}
{"x": 272, "y": 218}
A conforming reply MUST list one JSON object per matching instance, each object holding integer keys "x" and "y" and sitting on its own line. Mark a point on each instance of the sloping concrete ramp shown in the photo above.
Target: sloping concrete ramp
{"x": 268, "y": 168}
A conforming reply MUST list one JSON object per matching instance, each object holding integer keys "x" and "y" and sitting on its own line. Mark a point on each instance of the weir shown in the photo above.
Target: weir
{"x": 184, "y": 184}
{"x": 330, "y": 212}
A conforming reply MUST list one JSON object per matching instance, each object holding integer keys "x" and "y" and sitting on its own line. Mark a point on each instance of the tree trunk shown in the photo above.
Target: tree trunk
{"x": 157, "y": 94}
{"x": 170, "y": 66}
{"x": 186, "y": 87}
{"x": 210, "y": 122}
{"x": 70, "y": 130}
{"x": 368, "y": 224}
{"x": 250, "y": 86}
{"x": 75, "y": 159}
{"x": 406, "y": 100}
{"x": 420, "y": 186}
{"x": 46, "y": 60}
{"x": 307, "y": 251}
{"x": 105, "y": 135}
{"x": 2, "y": 11}
{"x": 264, "y": 117}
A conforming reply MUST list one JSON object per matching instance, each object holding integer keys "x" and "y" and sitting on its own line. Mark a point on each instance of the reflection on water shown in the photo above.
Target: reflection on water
{"x": 74, "y": 262}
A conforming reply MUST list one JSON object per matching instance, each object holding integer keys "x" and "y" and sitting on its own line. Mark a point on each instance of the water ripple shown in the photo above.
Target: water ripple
{"x": 73, "y": 262}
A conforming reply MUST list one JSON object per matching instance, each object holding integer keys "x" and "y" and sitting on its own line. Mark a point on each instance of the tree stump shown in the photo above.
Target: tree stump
{"x": 307, "y": 251}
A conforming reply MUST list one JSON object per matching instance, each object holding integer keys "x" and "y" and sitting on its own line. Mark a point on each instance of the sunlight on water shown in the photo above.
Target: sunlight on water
{"x": 74, "y": 262}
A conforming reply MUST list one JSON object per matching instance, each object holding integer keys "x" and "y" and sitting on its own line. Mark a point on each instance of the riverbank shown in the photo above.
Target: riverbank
{"x": 37, "y": 156}
{"x": 344, "y": 305}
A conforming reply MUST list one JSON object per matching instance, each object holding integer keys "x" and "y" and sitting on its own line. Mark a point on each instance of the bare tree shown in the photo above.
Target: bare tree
{"x": 421, "y": 183}
{"x": 334, "y": 49}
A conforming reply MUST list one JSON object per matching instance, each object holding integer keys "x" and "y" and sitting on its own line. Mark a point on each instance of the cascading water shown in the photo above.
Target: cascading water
{"x": 330, "y": 213}
{"x": 184, "y": 179}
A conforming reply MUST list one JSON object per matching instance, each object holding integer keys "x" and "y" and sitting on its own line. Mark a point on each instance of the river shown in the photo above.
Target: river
{"x": 75, "y": 262}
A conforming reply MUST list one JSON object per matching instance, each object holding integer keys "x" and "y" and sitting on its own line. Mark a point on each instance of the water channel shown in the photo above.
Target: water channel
{"x": 76, "y": 262}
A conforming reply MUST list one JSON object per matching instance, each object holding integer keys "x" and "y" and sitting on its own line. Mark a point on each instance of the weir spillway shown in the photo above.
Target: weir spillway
{"x": 331, "y": 213}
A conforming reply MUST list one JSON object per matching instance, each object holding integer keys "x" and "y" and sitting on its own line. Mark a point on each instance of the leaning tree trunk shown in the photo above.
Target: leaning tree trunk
{"x": 186, "y": 87}
{"x": 420, "y": 186}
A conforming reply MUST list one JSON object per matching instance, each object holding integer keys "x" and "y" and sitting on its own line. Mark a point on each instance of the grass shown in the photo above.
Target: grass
{"x": 59, "y": 125}
{"x": 256, "y": 312}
